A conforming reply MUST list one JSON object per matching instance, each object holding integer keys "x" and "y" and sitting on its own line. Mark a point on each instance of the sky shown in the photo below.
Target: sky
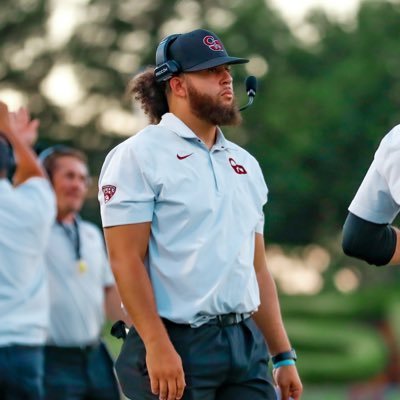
{"x": 295, "y": 11}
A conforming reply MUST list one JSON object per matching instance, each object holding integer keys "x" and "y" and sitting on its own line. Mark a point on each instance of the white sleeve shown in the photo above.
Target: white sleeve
{"x": 126, "y": 194}
{"x": 388, "y": 165}
{"x": 378, "y": 198}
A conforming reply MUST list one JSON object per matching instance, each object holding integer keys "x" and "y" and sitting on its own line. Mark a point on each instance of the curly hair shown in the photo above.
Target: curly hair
{"x": 151, "y": 95}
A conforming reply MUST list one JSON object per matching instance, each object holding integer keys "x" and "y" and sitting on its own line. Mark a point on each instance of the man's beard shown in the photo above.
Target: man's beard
{"x": 207, "y": 108}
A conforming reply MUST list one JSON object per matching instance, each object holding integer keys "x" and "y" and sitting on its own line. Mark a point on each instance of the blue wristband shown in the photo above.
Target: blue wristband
{"x": 283, "y": 363}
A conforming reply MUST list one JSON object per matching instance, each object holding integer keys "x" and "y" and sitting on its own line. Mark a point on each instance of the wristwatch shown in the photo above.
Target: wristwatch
{"x": 286, "y": 355}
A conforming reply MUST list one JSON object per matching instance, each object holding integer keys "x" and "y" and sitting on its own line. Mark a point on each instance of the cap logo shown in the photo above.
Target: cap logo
{"x": 212, "y": 43}
{"x": 108, "y": 191}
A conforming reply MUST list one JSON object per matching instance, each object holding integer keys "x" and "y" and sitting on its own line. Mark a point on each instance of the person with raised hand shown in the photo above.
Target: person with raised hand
{"x": 27, "y": 210}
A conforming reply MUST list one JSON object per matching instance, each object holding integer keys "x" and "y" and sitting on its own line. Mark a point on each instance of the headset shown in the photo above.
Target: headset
{"x": 165, "y": 68}
{"x": 7, "y": 160}
{"x": 61, "y": 150}
{"x": 57, "y": 148}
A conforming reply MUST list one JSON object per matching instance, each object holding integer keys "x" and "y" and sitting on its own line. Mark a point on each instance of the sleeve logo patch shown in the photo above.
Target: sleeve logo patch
{"x": 108, "y": 191}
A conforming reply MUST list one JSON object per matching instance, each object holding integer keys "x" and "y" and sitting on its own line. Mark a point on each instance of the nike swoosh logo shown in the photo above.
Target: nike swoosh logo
{"x": 183, "y": 157}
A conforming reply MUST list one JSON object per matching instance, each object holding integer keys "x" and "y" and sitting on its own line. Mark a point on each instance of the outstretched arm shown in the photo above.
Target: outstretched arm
{"x": 269, "y": 320}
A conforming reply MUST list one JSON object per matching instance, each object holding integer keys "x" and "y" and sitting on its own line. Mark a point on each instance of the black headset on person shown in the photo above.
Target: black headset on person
{"x": 48, "y": 151}
{"x": 7, "y": 159}
{"x": 165, "y": 68}
{"x": 60, "y": 150}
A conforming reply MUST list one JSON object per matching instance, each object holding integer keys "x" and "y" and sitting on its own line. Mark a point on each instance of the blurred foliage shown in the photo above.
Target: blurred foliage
{"x": 344, "y": 338}
{"x": 320, "y": 111}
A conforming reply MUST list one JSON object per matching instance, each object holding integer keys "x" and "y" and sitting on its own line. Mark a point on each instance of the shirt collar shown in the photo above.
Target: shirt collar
{"x": 173, "y": 123}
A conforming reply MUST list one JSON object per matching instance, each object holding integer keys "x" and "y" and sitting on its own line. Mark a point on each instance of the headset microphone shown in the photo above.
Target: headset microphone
{"x": 251, "y": 88}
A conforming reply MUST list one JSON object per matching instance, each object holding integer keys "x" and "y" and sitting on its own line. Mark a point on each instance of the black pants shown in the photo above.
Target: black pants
{"x": 220, "y": 363}
{"x": 79, "y": 374}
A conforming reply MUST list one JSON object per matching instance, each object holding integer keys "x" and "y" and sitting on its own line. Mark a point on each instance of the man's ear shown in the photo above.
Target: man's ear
{"x": 177, "y": 86}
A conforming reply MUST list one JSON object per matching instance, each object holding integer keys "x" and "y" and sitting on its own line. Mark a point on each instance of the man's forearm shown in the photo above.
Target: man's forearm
{"x": 113, "y": 306}
{"x": 268, "y": 317}
{"x": 396, "y": 255}
{"x": 27, "y": 164}
{"x": 137, "y": 295}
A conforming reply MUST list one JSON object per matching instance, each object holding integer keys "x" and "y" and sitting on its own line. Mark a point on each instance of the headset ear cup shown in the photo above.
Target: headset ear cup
{"x": 166, "y": 70}
{"x": 174, "y": 67}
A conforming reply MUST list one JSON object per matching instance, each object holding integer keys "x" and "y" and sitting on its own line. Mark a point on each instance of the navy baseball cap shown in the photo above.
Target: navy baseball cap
{"x": 200, "y": 49}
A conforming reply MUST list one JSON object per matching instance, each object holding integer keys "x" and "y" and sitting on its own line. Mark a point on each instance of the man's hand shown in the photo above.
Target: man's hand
{"x": 22, "y": 125}
{"x": 4, "y": 119}
{"x": 288, "y": 381}
{"x": 165, "y": 371}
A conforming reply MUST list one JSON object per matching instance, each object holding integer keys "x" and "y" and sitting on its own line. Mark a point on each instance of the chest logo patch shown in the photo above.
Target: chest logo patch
{"x": 108, "y": 192}
{"x": 184, "y": 156}
{"x": 239, "y": 169}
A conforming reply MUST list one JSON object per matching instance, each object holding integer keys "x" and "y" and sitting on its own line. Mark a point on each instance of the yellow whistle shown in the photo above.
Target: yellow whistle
{"x": 82, "y": 266}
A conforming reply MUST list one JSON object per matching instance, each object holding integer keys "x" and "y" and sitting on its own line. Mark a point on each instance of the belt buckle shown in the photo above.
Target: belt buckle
{"x": 228, "y": 319}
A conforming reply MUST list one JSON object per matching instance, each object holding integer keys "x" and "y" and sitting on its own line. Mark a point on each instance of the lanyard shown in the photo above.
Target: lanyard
{"x": 73, "y": 235}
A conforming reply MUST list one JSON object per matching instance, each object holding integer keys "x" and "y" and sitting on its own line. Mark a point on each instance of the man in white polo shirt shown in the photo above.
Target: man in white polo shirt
{"x": 82, "y": 288}
{"x": 368, "y": 232}
{"x": 182, "y": 209}
{"x": 27, "y": 210}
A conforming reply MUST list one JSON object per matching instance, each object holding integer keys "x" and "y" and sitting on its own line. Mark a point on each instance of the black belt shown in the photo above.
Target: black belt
{"x": 120, "y": 330}
{"x": 228, "y": 319}
{"x": 221, "y": 320}
{"x": 87, "y": 348}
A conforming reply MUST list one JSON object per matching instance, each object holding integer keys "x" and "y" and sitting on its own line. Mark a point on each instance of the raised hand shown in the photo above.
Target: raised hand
{"x": 22, "y": 125}
{"x": 4, "y": 119}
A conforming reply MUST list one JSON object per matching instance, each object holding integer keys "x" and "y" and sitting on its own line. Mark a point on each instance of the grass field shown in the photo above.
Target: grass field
{"x": 312, "y": 392}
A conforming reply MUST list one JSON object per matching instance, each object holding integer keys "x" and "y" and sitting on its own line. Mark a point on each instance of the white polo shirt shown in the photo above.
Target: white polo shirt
{"x": 76, "y": 295}
{"x": 378, "y": 198}
{"x": 26, "y": 215}
{"x": 205, "y": 207}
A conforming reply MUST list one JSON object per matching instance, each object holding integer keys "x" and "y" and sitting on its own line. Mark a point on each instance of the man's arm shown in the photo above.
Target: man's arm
{"x": 269, "y": 320}
{"x": 377, "y": 244}
{"x": 127, "y": 247}
{"x": 27, "y": 164}
{"x": 113, "y": 306}
{"x": 395, "y": 260}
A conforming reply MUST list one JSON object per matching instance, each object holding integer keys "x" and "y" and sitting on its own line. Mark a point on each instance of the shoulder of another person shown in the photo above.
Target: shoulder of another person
{"x": 40, "y": 188}
{"x": 391, "y": 141}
